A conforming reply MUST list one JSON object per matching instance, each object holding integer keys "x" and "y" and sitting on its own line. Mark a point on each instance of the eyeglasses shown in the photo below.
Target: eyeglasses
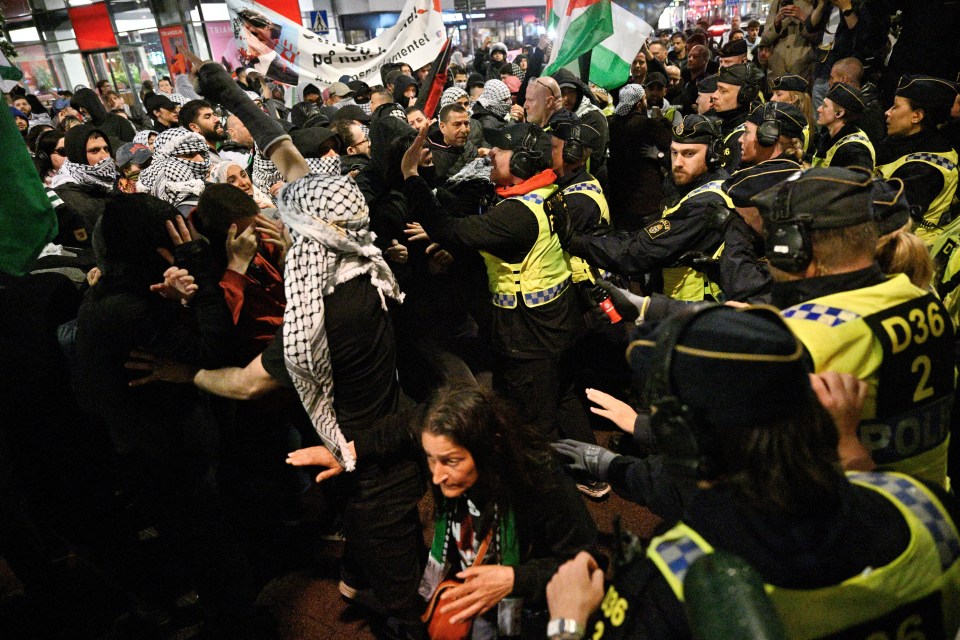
{"x": 60, "y": 151}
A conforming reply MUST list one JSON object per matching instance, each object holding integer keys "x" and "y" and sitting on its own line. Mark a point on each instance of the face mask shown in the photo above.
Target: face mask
{"x": 461, "y": 85}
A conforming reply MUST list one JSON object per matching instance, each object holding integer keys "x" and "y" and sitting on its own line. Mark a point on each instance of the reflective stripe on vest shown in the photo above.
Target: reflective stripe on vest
{"x": 543, "y": 274}
{"x": 686, "y": 283}
{"x": 929, "y": 228}
{"x": 580, "y": 268}
{"x": 925, "y": 572}
{"x": 856, "y": 136}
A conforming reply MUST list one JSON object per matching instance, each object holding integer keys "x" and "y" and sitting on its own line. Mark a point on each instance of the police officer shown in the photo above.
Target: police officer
{"x": 737, "y": 87}
{"x": 794, "y": 89}
{"x": 685, "y": 226}
{"x": 536, "y": 317}
{"x": 843, "y": 144}
{"x": 861, "y": 554}
{"x": 821, "y": 236}
{"x": 915, "y": 152}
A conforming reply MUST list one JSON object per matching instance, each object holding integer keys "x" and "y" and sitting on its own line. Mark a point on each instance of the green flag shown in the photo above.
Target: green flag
{"x": 27, "y": 219}
{"x": 581, "y": 25}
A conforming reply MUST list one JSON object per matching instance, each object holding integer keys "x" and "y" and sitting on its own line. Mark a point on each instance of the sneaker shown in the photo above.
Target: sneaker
{"x": 594, "y": 489}
{"x": 361, "y": 597}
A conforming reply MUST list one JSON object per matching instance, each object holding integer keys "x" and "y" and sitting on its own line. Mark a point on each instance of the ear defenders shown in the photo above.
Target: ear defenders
{"x": 573, "y": 146}
{"x": 750, "y": 88}
{"x": 715, "y": 148}
{"x": 526, "y": 161}
{"x": 787, "y": 237}
{"x": 768, "y": 131}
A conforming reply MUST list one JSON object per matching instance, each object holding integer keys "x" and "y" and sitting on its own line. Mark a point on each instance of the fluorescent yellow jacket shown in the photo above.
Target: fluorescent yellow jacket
{"x": 543, "y": 275}
{"x": 916, "y": 595}
{"x": 856, "y": 136}
{"x": 899, "y": 339}
{"x": 928, "y": 229}
{"x": 590, "y": 188}
{"x": 686, "y": 283}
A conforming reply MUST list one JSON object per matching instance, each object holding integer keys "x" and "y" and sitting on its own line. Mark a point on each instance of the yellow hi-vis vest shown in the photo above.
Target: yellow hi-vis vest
{"x": 806, "y": 137}
{"x": 913, "y": 597}
{"x": 543, "y": 275}
{"x": 590, "y": 188}
{"x": 740, "y": 128}
{"x": 928, "y": 228}
{"x": 898, "y": 338}
{"x": 946, "y": 263}
{"x": 856, "y": 136}
{"x": 685, "y": 283}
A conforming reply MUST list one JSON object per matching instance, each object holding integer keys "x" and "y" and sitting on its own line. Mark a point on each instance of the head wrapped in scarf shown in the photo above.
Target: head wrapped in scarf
{"x": 175, "y": 179}
{"x": 496, "y": 98}
{"x": 630, "y": 95}
{"x": 329, "y": 219}
{"x": 327, "y": 165}
{"x": 75, "y": 169}
{"x": 218, "y": 175}
{"x": 143, "y": 137}
{"x": 451, "y": 95}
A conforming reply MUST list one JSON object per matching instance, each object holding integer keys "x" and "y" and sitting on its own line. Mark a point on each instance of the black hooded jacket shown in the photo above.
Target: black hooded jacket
{"x": 117, "y": 128}
{"x": 594, "y": 119}
{"x": 86, "y": 200}
{"x": 400, "y": 84}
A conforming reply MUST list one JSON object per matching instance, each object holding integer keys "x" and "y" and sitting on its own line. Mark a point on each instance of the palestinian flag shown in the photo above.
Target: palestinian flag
{"x": 429, "y": 97}
{"x": 611, "y": 58}
{"x": 27, "y": 220}
{"x": 581, "y": 25}
{"x": 9, "y": 74}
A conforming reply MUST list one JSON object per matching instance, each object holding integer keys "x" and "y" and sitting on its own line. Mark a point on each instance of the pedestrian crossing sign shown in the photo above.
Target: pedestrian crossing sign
{"x": 318, "y": 22}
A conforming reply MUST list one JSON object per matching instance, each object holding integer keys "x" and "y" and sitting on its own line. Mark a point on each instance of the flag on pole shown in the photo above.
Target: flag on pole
{"x": 429, "y": 97}
{"x": 9, "y": 74}
{"x": 581, "y": 25}
{"x": 610, "y": 57}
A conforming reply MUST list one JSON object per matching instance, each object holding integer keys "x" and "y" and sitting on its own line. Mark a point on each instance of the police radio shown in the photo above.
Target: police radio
{"x": 786, "y": 236}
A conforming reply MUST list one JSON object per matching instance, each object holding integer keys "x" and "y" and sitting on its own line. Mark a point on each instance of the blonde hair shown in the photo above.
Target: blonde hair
{"x": 792, "y": 147}
{"x": 903, "y": 252}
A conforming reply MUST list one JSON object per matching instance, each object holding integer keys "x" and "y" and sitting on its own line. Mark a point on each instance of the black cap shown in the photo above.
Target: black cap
{"x": 562, "y": 123}
{"x": 791, "y": 119}
{"x": 359, "y": 87}
{"x": 512, "y": 137}
{"x": 708, "y": 84}
{"x": 352, "y": 112}
{"x": 157, "y": 101}
{"x": 829, "y": 197}
{"x": 734, "y": 48}
{"x": 720, "y": 349}
{"x": 697, "y": 129}
{"x": 311, "y": 90}
{"x": 890, "y": 205}
{"x": 303, "y": 111}
{"x": 655, "y": 78}
{"x": 847, "y": 97}
{"x": 790, "y": 82}
{"x": 746, "y": 183}
{"x": 310, "y": 142}
{"x": 740, "y": 74}
{"x": 934, "y": 95}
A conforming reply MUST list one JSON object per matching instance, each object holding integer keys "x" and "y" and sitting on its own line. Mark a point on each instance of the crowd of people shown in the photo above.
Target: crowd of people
{"x": 248, "y": 291}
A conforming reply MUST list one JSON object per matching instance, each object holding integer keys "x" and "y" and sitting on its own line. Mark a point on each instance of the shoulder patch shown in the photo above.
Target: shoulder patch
{"x": 657, "y": 229}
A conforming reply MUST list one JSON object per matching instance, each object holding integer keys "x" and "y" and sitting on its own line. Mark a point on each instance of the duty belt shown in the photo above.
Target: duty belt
{"x": 532, "y": 299}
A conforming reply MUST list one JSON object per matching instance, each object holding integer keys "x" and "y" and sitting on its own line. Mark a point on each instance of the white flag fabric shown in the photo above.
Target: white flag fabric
{"x": 284, "y": 51}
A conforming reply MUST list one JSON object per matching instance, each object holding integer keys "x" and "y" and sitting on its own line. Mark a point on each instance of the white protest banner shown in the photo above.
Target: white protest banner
{"x": 284, "y": 51}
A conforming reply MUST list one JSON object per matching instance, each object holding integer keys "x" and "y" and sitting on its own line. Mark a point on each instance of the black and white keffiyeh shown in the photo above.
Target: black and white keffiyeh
{"x": 451, "y": 95}
{"x": 329, "y": 165}
{"x": 477, "y": 169}
{"x": 143, "y": 137}
{"x": 103, "y": 174}
{"x": 630, "y": 95}
{"x": 148, "y": 176}
{"x": 174, "y": 179}
{"x": 333, "y": 244}
{"x": 496, "y": 97}
{"x": 264, "y": 173}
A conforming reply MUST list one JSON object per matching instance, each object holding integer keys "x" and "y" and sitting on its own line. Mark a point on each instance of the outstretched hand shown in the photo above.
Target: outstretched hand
{"x": 159, "y": 369}
{"x": 411, "y": 159}
{"x": 318, "y": 457}
{"x": 177, "y": 285}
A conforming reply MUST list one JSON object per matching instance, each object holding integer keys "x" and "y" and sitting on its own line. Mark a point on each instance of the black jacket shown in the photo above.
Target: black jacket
{"x": 921, "y": 182}
{"x": 449, "y": 159}
{"x": 851, "y": 154}
{"x": 87, "y": 201}
{"x": 117, "y": 128}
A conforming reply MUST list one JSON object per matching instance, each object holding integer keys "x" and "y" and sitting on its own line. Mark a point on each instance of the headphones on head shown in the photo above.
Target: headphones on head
{"x": 677, "y": 439}
{"x": 786, "y": 236}
{"x": 526, "y": 161}
{"x": 768, "y": 131}
{"x": 750, "y": 88}
{"x": 714, "y": 148}
{"x": 573, "y": 146}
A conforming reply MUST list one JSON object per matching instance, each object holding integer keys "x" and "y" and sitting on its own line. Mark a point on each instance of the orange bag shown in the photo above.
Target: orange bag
{"x": 438, "y": 624}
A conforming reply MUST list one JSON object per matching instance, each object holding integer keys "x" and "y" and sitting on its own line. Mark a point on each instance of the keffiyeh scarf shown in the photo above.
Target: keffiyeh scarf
{"x": 479, "y": 168}
{"x": 496, "y": 98}
{"x": 451, "y": 95}
{"x": 265, "y": 173}
{"x": 329, "y": 165}
{"x": 103, "y": 174}
{"x": 333, "y": 245}
{"x": 218, "y": 174}
{"x": 630, "y": 95}
{"x": 143, "y": 137}
{"x": 174, "y": 179}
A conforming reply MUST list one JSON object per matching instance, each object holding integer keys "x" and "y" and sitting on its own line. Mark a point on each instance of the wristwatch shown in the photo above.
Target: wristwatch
{"x": 565, "y": 629}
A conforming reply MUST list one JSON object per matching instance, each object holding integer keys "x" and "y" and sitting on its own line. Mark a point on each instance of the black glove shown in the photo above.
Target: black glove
{"x": 630, "y": 306}
{"x": 560, "y": 222}
{"x": 582, "y": 456}
{"x": 701, "y": 262}
{"x": 216, "y": 85}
